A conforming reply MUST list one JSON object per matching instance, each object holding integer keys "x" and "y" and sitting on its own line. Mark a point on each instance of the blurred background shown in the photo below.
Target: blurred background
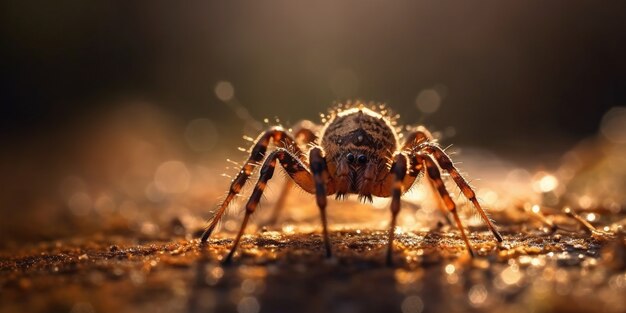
{"x": 114, "y": 112}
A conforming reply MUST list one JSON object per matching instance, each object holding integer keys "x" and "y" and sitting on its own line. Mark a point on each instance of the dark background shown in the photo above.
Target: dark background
{"x": 100, "y": 92}
{"x": 515, "y": 73}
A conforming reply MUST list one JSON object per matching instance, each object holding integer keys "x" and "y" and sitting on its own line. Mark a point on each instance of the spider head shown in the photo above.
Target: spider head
{"x": 356, "y": 170}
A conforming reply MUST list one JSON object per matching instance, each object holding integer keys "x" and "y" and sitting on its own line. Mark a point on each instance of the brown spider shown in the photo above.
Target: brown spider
{"x": 359, "y": 153}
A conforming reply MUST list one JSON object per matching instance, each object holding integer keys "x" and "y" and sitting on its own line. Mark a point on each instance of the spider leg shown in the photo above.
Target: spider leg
{"x": 304, "y": 135}
{"x": 435, "y": 176}
{"x": 413, "y": 139}
{"x": 280, "y": 138}
{"x": 280, "y": 203}
{"x": 292, "y": 165}
{"x": 398, "y": 168}
{"x": 446, "y": 164}
{"x": 321, "y": 178}
{"x": 440, "y": 205}
{"x": 305, "y": 132}
{"x": 416, "y": 137}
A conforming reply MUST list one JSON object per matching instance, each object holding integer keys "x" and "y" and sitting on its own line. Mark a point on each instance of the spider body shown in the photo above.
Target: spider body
{"x": 359, "y": 145}
{"x": 358, "y": 151}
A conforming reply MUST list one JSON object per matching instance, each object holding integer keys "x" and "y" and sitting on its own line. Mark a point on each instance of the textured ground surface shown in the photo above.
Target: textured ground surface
{"x": 281, "y": 273}
{"x": 142, "y": 257}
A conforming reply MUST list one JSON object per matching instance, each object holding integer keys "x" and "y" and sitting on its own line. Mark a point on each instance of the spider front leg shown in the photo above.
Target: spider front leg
{"x": 321, "y": 178}
{"x": 435, "y": 176}
{"x": 304, "y": 135}
{"x": 296, "y": 170}
{"x": 280, "y": 138}
{"x": 398, "y": 169}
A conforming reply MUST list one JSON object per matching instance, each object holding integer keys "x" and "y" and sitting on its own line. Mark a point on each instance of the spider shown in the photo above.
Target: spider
{"x": 358, "y": 151}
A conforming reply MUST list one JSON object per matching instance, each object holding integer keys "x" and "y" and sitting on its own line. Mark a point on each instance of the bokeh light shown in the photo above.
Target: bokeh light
{"x": 225, "y": 91}
{"x": 478, "y": 295}
{"x": 613, "y": 125}
{"x": 545, "y": 182}
{"x": 428, "y": 101}
{"x": 201, "y": 134}
{"x": 80, "y": 203}
{"x": 172, "y": 177}
{"x": 412, "y": 304}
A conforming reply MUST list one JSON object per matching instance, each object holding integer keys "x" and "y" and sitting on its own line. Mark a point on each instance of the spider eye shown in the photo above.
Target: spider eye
{"x": 362, "y": 159}
{"x": 350, "y": 157}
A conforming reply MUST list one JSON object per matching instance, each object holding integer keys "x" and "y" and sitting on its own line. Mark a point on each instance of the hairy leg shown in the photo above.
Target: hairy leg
{"x": 446, "y": 164}
{"x": 413, "y": 140}
{"x": 435, "y": 176}
{"x": 398, "y": 169}
{"x": 291, "y": 164}
{"x": 321, "y": 178}
{"x": 280, "y": 203}
{"x": 280, "y": 138}
{"x": 416, "y": 137}
{"x": 303, "y": 135}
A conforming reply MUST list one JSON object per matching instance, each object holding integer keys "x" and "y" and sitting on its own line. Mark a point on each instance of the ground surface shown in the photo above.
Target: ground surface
{"x": 137, "y": 260}
{"x": 285, "y": 273}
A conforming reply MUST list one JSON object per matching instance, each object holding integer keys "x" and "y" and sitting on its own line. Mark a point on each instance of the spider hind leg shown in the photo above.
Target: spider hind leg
{"x": 446, "y": 164}
{"x": 435, "y": 176}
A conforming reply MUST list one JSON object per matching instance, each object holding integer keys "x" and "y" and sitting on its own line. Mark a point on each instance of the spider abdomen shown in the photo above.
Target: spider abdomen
{"x": 360, "y": 129}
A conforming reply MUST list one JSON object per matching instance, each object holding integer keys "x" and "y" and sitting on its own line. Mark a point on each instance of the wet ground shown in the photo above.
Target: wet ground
{"x": 537, "y": 271}
{"x": 563, "y": 251}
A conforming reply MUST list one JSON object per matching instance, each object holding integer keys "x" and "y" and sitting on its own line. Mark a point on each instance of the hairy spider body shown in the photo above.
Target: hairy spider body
{"x": 358, "y": 151}
{"x": 359, "y": 145}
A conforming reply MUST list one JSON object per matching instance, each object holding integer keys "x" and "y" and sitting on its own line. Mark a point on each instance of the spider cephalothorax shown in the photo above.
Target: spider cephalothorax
{"x": 358, "y": 151}
{"x": 359, "y": 145}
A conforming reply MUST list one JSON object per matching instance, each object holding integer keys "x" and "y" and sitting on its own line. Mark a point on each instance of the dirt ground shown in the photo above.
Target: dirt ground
{"x": 284, "y": 273}
{"x": 552, "y": 259}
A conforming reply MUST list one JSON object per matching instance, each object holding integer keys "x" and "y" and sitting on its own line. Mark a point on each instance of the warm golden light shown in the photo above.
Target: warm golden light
{"x": 477, "y": 295}
{"x": 545, "y": 182}
{"x": 511, "y": 275}
{"x": 172, "y": 177}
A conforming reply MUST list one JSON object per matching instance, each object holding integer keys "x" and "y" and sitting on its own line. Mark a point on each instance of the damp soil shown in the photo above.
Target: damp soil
{"x": 276, "y": 272}
{"x": 563, "y": 251}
